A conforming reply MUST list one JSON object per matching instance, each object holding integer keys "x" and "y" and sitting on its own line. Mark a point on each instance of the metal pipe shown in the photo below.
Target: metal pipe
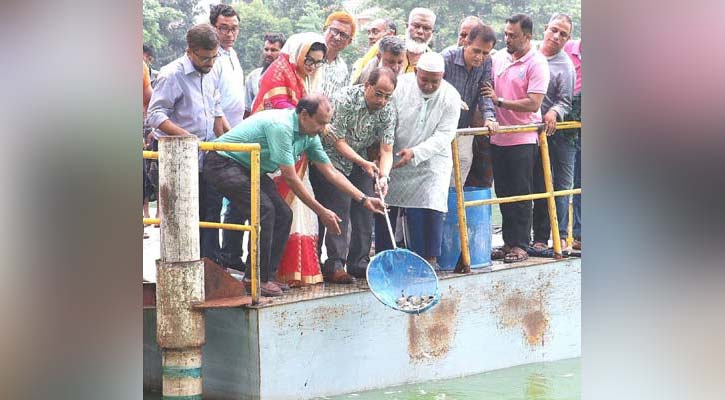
{"x": 570, "y": 223}
{"x": 550, "y": 200}
{"x": 206, "y": 225}
{"x": 241, "y": 147}
{"x": 254, "y": 222}
{"x": 462, "y": 222}
{"x": 484, "y": 131}
{"x": 513, "y": 199}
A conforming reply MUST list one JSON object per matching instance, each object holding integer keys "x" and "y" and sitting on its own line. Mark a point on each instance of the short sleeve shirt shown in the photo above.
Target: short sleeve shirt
{"x": 359, "y": 127}
{"x": 278, "y": 134}
{"x": 514, "y": 80}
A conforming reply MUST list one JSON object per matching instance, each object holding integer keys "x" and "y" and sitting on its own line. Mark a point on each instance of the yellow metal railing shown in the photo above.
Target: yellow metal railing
{"x": 550, "y": 194}
{"x": 254, "y": 226}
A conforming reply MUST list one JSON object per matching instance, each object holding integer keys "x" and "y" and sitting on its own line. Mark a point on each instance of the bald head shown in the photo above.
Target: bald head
{"x": 377, "y": 29}
{"x": 314, "y": 112}
{"x": 466, "y": 25}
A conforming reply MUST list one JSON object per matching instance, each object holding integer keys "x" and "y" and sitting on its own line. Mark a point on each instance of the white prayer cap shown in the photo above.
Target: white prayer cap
{"x": 431, "y": 62}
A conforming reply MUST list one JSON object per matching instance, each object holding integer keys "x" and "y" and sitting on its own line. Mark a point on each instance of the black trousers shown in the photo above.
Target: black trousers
{"x": 231, "y": 250}
{"x": 356, "y": 220}
{"x": 233, "y": 181}
{"x": 513, "y": 176}
{"x": 210, "y": 208}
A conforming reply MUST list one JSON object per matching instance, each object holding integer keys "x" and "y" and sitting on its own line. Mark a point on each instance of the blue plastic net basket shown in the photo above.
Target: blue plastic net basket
{"x": 400, "y": 271}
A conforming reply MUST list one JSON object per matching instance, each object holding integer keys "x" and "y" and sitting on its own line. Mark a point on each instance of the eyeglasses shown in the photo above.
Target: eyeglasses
{"x": 311, "y": 62}
{"x": 425, "y": 28}
{"x": 382, "y": 95}
{"x": 227, "y": 30}
{"x": 205, "y": 60}
{"x": 337, "y": 32}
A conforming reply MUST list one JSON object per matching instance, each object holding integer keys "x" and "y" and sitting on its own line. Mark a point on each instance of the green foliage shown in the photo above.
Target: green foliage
{"x": 156, "y": 22}
{"x": 165, "y": 24}
{"x": 254, "y": 20}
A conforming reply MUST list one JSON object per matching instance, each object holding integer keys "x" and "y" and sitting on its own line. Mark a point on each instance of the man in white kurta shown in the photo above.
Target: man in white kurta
{"x": 428, "y": 109}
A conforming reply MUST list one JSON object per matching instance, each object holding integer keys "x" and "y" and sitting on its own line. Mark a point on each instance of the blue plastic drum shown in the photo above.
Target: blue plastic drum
{"x": 400, "y": 272}
{"x": 479, "y": 230}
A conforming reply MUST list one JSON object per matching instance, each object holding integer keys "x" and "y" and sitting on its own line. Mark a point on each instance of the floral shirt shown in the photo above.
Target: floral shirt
{"x": 360, "y": 128}
{"x": 334, "y": 77}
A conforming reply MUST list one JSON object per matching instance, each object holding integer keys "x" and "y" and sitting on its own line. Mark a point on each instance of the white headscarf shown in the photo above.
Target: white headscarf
{"x": 297, "y": 46}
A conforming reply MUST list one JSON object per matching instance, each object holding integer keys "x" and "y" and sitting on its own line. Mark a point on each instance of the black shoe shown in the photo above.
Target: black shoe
{"x": 357, "y": 272}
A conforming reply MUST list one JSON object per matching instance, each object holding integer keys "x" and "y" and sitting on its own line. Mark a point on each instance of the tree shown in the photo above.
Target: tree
{"x": 165, "y": 25}
{"x": 254, "y": 20}
{"x": 156, "y": 22}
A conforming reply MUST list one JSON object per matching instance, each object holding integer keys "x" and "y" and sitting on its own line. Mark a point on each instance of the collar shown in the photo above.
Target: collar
{"x": 458, "y": 57}
{"x": 187, "y": 65}
{"x": 523, "y": 59}
{"x": 226, "y": 52}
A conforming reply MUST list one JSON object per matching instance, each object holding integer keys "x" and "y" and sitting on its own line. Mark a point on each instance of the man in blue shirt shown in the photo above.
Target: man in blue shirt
{"x": 468, "y": 68}
{"x": 186, "y": 102}
{"x": 283, "y": 136}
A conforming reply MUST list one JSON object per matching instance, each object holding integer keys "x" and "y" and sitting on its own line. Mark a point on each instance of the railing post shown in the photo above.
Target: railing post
{"x": 179, "y": 271}
{"x": 551, "y": 200}
{"x": 254, "y": 222}
{"x": 462, "y": 222}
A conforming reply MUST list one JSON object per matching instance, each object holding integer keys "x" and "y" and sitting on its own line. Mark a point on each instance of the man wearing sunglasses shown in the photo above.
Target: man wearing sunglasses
{"x": 186, "y": 102}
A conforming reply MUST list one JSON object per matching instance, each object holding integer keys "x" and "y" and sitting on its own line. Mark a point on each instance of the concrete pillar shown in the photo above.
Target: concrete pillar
{"x": 179, "y": 271}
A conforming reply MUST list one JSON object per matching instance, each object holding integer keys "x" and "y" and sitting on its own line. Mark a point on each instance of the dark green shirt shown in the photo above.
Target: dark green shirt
{"x": 278, "y": 133}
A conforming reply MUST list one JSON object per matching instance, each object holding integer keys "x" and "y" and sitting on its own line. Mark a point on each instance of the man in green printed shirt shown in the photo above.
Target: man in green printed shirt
{"x": 362, "y": 116}
{"x": 283, "y": 135}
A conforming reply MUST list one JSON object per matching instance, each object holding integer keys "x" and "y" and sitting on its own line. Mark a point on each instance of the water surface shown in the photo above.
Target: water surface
{"x": 559, "y": 380}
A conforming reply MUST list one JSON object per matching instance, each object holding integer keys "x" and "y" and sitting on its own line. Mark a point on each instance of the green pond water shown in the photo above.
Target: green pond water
{"x": 559, "y": 380}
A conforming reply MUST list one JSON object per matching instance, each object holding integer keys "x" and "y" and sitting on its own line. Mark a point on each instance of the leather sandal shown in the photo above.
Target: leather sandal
{"x": 517, "y": 254}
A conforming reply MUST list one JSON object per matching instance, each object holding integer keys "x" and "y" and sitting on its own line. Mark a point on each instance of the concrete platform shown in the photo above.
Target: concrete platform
{"x": 332, "y": 339}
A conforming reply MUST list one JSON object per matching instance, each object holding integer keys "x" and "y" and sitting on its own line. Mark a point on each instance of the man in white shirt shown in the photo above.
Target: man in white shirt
{"x": 227, "y": 67}
{"x": 230, "y": 76}
{"x": 427, "y": 109}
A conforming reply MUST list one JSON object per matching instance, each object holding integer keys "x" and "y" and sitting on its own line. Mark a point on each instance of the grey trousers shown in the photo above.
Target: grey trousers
{"x": 355, "y": 219}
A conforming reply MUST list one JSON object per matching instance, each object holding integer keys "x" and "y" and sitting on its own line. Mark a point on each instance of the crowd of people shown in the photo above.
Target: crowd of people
{"x": 336, "y": 142}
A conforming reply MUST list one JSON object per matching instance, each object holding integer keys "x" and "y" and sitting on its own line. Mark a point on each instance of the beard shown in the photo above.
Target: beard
{"x": 414, "y": 45}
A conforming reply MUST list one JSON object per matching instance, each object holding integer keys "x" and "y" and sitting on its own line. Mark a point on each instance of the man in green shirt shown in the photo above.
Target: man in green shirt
{"x": 283, "y": 135}
{"x": 362, "y": 116}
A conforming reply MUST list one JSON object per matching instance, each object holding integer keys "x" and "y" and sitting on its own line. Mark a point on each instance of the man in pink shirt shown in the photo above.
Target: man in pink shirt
{"x": 520, "y": 82}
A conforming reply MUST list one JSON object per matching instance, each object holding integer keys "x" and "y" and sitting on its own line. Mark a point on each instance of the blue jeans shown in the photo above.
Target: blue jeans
{"x": 562, "y": 154}
{"x": 577, "y": 229}
{"x": 424, "y": 225}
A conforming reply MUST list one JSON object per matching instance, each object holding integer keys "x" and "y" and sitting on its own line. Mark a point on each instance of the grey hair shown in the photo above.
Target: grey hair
{"x": 565, "y": 17}
{"x": 392, "y": 44}
{"x": 422, "y": 11}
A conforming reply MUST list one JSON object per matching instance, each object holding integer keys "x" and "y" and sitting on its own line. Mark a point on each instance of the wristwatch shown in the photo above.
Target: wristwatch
{"x": 499, "y": 102}
{"x": 362, "y": 199}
